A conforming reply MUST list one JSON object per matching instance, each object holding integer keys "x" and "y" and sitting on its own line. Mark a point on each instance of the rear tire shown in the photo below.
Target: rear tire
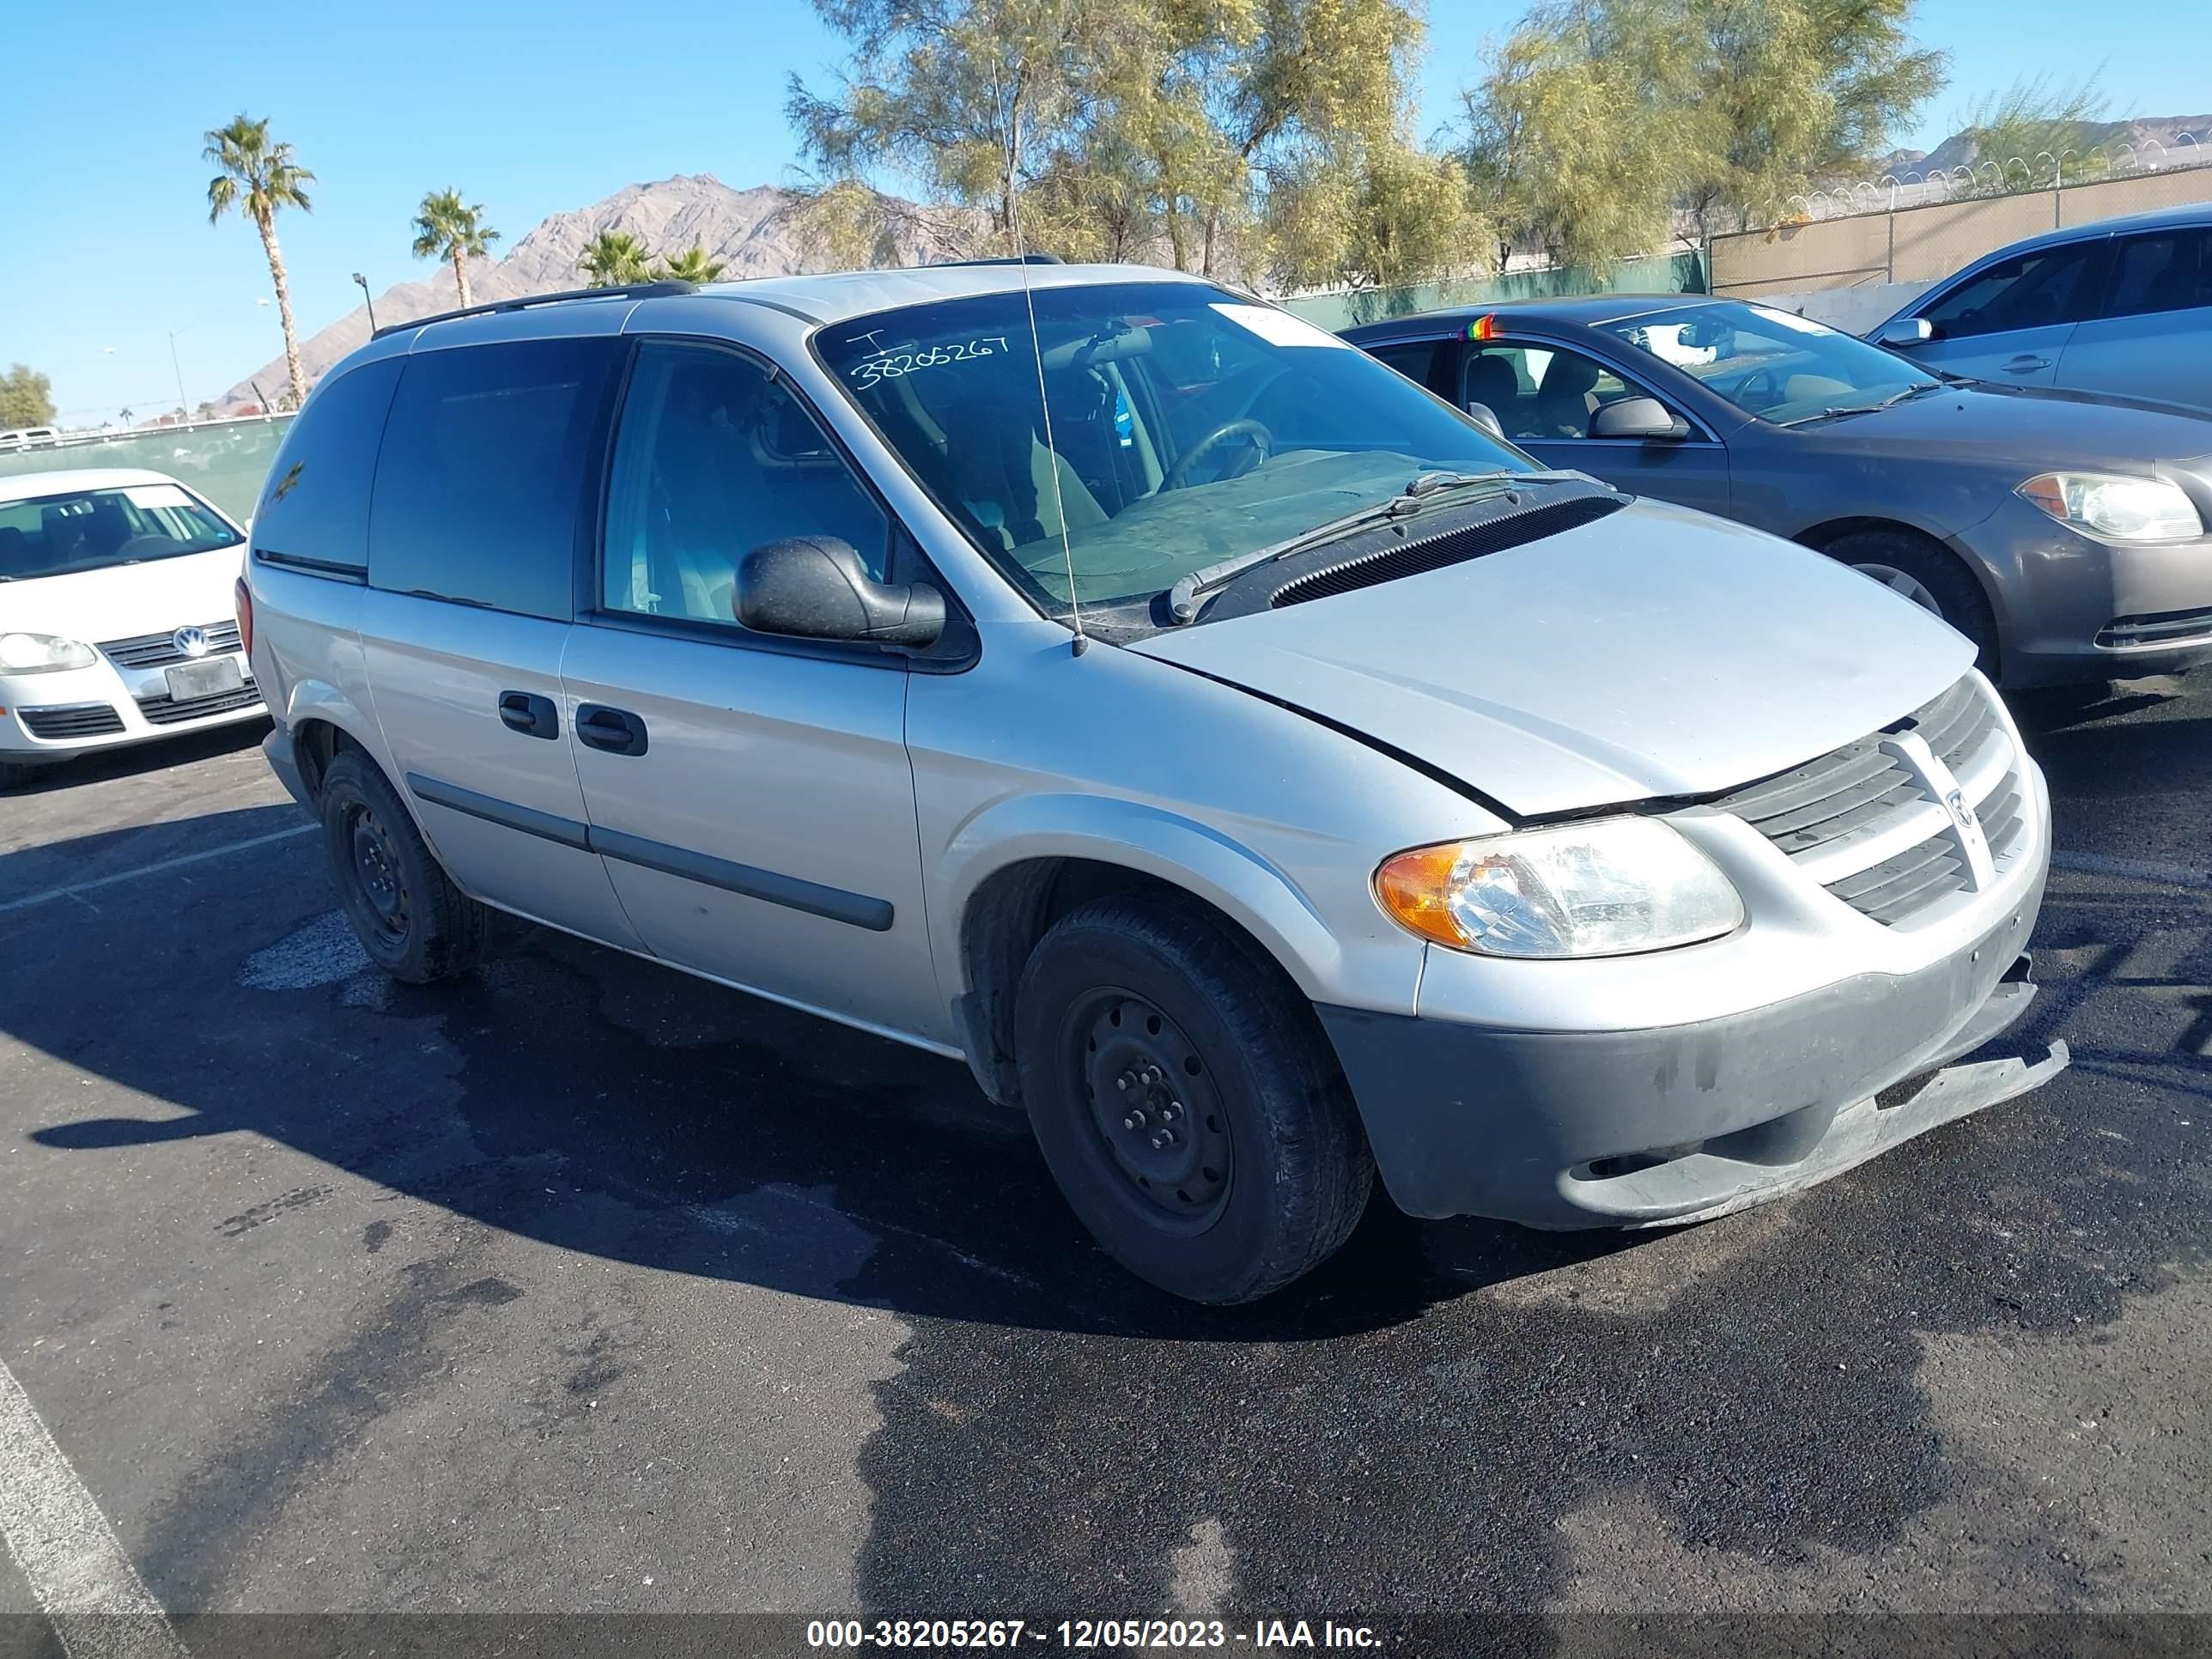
{"x": 1931, "y": 577}
{"x": 415, "y": 924}
{"x": 1185, "y": 1101}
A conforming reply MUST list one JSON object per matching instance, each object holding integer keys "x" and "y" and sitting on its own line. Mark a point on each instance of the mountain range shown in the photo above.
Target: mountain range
{"x": 1964, "y": 148}
{"x": 751, "y": 232}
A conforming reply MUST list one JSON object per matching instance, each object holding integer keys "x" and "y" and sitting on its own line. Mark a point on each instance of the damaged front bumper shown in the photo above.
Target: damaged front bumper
{"x": 1640, "y": 1128}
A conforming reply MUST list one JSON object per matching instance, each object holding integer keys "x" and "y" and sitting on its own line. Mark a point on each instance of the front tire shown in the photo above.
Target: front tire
{"x": 415, "y": 924}
{"x": 1186, "y": 1102}
{"x": 1931, "y": 577}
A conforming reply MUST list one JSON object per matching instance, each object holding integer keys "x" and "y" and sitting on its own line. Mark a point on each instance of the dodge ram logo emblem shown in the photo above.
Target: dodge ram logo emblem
{"x": 1962, "y": 814}
{"x": 192, "y": 641}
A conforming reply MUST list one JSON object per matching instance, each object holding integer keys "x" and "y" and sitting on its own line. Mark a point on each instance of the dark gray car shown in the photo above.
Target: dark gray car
{"x": 2064, "y": 533}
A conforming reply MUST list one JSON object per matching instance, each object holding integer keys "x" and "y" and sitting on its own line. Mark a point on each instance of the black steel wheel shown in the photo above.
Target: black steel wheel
{"x": 408, "y": 914}
{"x": 1186, "y": 1100}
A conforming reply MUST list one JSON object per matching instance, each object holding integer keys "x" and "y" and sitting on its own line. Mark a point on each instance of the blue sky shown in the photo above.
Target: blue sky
{"x": 533, "y": 108}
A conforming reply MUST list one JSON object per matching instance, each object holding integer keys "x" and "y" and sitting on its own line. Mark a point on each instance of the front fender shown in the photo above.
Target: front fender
{"x": 1240, "y": 882}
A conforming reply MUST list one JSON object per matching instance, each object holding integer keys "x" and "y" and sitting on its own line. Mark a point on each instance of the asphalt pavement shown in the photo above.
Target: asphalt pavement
{"x": 582, "y": 1286}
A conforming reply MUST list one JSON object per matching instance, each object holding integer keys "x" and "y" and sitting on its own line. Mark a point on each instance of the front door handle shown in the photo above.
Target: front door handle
{"x": 615, "y": 730}
{"x": 2025, "y": 364}
{"x": 529, "y": 714}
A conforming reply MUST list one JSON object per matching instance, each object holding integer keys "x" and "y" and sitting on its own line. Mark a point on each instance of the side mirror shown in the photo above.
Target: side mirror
{"x": 1637, "y": 418}
{"x": 815, "y": 588}
{"x": 1903, "y": 333}
{"x": 1485, "y": 417}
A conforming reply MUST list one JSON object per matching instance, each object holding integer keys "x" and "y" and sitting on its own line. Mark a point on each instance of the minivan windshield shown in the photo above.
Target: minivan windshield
{"x": 77, "y": 530}
{"x": 1784, "y": 369}
{"x": 1189, "y": 425}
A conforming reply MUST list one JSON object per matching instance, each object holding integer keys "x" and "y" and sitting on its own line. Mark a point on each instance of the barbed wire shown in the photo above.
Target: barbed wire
{"x": 2011, "y": 175}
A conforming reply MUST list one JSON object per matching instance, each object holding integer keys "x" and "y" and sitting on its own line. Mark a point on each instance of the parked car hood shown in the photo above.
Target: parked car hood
{"x": 1657, "y": 652}
{"x": 2025, "y": 430}
{"x": 124, "y": 600}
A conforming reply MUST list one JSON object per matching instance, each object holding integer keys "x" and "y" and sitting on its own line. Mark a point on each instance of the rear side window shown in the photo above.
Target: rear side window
{"x": 2168, "y": 272}
{"x": 2030, "y": 291}
{"x": 488, "y": 465}
{"x": 315, "y": 507}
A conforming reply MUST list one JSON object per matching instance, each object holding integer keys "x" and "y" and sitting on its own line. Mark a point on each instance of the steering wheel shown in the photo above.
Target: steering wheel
{"x": 1743, "y": 392}
{"x": 1262, "y": 439}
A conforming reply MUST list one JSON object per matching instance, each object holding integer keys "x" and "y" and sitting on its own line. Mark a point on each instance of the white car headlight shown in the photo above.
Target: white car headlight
{"x": 2121, "y": 508}
{"x": 1607, "y": 888}
{"x": 36, "y": 654}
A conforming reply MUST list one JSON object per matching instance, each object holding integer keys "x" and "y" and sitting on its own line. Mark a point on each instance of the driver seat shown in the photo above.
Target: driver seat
{"x": 1564, "y": 404}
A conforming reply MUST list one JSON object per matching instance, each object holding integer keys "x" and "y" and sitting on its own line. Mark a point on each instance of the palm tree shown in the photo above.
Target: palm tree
{"x": 614, "y": 259}
{"x": 126, "y": 417}
{"x": 258, "y": 178}
{"x": 692, "y": 265}
{"x": 446, "y": 228}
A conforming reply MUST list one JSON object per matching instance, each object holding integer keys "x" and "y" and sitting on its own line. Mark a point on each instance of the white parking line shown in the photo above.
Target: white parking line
{"x": 84, "y": 1582}
{"x": 78, "y": 890}
{"x": 2096, "y": 864}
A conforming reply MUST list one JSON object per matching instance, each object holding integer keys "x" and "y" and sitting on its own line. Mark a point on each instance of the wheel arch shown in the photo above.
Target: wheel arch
{"x": 321, "y": 723}
{"x": 1002, "y": 902}
{"x": 1821, "y": 537}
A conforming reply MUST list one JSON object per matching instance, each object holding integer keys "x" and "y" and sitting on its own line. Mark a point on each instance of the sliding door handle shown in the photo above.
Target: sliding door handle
{"x": 615, "y": 730}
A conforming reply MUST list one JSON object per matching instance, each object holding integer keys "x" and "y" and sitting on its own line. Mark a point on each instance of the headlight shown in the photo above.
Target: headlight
{"x": 35, "y": 653}
{"x": 1602, "y": 889}
{"x": 2125, "y": 509}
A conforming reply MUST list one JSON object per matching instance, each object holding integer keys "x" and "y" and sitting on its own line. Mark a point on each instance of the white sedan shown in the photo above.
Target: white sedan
{"x": 117, "y": 616}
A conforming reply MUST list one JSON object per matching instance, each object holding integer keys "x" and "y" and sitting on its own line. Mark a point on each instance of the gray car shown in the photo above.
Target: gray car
{"x": 1253, "y": 769}
{"x": 2064, "y": 532}
{"x": 2123, "y": 306}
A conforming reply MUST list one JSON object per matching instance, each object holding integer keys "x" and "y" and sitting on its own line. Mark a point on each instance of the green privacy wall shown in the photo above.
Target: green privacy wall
{"x": 223, "y": 460}
{"x": 1678, "y": 273}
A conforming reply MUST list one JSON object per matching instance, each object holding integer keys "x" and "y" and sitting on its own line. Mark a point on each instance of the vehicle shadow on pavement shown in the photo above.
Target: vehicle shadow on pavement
{"x": 98, "y": 765}
{"x": 606, "y": 1105}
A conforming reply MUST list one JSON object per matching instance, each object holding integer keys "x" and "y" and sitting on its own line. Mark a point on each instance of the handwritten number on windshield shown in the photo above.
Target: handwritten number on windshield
{"x": 890, "y": 365}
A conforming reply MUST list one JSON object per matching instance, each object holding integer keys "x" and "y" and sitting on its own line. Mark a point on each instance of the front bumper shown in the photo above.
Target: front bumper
{"x": 1571, "y": 1129}
{"x": 2072, "y": 608}
{"x": 56, "y": 715}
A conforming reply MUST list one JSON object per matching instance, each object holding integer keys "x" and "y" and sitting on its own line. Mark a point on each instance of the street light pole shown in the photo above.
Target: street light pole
{"x": 176, "y": 364}
{"x": 363, "y": 281}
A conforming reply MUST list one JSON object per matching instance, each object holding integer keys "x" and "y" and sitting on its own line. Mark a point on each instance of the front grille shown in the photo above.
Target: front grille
{"x": 164, "y": 711}
{"x": 2155, "y": 628}
{"x": 75, "y": 720}
{"x": 1861, "y": 821}
{"x": 160, "y": 650}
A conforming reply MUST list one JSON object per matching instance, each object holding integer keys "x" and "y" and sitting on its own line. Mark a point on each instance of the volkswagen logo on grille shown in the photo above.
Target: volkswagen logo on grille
{"x": 192, "y": 641}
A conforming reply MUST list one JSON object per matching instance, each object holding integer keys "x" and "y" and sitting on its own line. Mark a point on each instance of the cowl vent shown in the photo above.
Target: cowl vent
{"x": 1419, "y": 555}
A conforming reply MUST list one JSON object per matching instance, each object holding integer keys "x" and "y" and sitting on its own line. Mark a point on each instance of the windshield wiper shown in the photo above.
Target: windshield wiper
{"x": 1898, "y": 397}
{"x": 1417, "y": 497}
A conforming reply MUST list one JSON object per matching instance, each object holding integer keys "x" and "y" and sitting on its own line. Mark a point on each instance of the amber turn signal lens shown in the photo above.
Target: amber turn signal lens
{"x": 1415, "y": 888}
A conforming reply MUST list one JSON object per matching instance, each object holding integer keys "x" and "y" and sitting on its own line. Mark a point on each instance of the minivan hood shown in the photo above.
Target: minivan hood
{"x": 123, "y": 601}
{"x": 1656, "y": 651}
{"x": 2026, "y": 429}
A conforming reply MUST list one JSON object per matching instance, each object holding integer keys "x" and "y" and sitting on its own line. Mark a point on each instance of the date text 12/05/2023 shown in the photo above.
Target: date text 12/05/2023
{"x": 1085, "y": 1634}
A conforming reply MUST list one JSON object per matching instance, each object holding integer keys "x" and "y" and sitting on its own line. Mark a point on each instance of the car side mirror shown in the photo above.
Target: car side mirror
{"x": 1903, "y": 333}
{"x": 1637, "y": 418}
{"x": 815, "y": 588}
{"x": 1485, "y": 417}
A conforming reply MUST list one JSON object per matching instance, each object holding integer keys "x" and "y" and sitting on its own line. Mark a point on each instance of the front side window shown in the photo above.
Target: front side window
{"x": 1188, "y": 426}
{"x": 486, "y": 468}
{"x": 2030, "y": 291}
{"x": 70, "y": 530}
{"x": 1542, "y": 392}
{"x": 713, "y": 458}
{"x": 1786, "y": 370}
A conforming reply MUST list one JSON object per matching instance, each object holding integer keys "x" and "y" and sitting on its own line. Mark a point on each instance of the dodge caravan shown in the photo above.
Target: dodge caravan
{"x": 1256, "y": 771}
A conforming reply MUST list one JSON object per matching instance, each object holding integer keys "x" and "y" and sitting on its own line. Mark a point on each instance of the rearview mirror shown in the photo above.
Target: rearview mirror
{"x": 1637, "y": 418}
{"x": 1485, "y": 417}
{"x": 1905, "y": 332}
{"x": 815, "y": 588}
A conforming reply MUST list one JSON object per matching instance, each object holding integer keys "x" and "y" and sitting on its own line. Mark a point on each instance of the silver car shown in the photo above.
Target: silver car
{"x": 2123, "y": 306}
{"x": 1255, "y": 769}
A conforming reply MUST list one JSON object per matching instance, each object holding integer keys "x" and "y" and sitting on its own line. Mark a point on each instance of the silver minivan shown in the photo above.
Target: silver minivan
{"x": 1253, "y": 769}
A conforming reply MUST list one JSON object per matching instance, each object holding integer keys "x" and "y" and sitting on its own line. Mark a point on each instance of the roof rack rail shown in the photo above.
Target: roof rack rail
{"x": 1003, "y": 259}
{"x": 626, "y": 291}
